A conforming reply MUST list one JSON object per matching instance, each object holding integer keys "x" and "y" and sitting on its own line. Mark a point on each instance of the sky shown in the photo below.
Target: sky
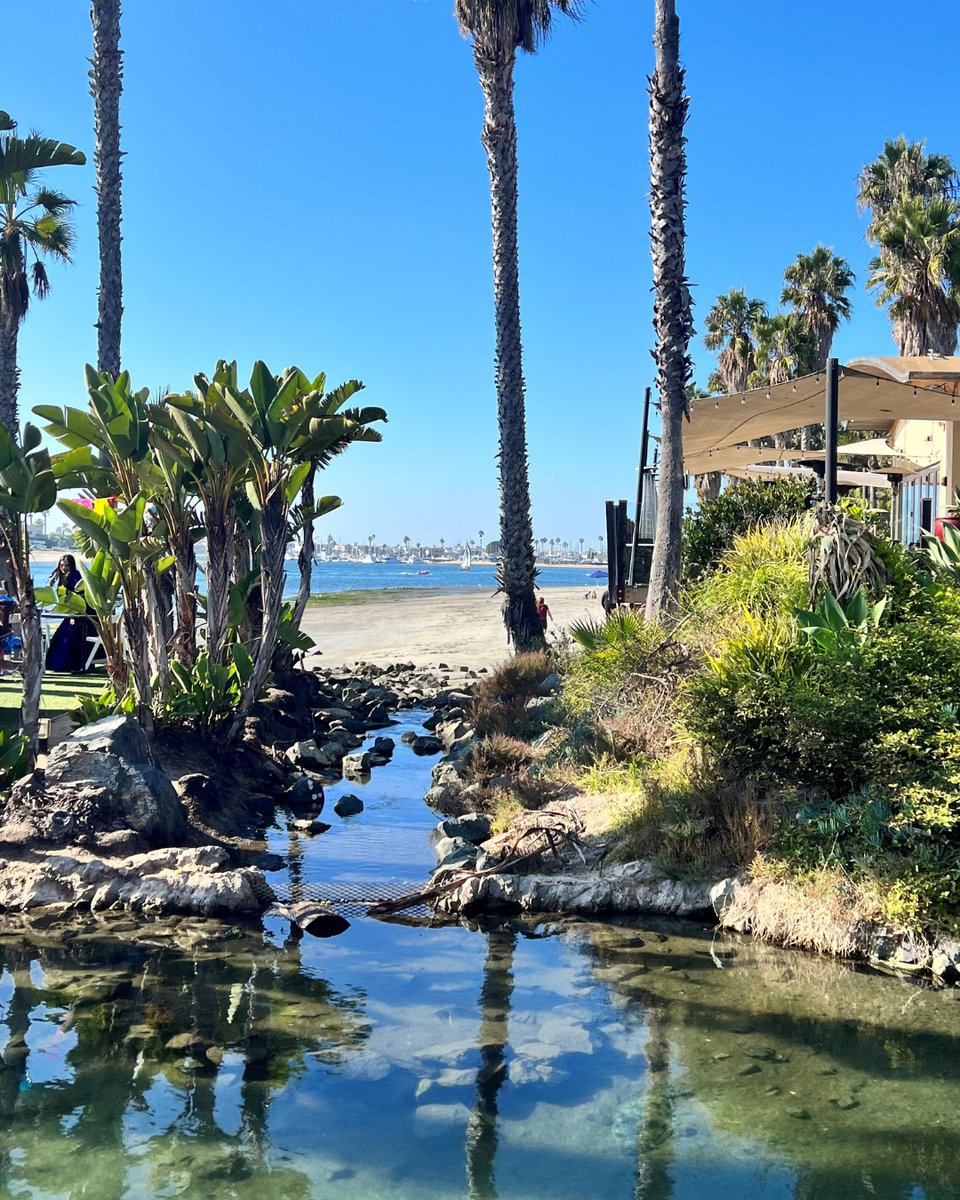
{"x": 304, "y": 183}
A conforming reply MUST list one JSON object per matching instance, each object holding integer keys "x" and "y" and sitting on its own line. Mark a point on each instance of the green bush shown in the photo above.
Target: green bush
{"x": 709, "y": 529}
{"x": 763, "y": 571}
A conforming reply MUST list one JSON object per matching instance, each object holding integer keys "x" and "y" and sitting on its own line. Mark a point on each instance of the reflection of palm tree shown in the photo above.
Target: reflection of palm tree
{"x": 495, "y": 992}
{"x": 654, "y": 1137}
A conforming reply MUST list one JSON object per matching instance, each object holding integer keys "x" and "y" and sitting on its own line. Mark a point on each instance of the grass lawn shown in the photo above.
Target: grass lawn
{"x": 379, "y": 595}
{"x": 59, "y": 694}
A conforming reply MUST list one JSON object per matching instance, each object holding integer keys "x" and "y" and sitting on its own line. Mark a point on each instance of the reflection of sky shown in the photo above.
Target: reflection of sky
{"x": 393, "y": 1067}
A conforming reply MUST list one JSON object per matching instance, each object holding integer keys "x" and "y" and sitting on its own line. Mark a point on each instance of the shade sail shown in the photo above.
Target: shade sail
{"x": 769, "y": 471}
{"x": 873, "y": 393}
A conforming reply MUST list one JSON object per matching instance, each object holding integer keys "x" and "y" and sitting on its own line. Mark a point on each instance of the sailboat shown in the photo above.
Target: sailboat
{"x": 466, "y": 562}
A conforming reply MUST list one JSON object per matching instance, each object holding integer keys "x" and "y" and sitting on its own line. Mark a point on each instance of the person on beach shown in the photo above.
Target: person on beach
{"x": 543, "y": 613}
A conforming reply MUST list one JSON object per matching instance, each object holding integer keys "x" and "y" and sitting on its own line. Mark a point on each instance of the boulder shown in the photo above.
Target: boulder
{"x": 305, "y": 795}
{"x": 355, "y": 766}
{"x": 309, "y": 753}
{"x": 348, "y": 805}
{"x": 162, "y": 881}
{"x": 426, "y": 745}
{"x": 384, "y": 745}
{"x": 472, "y": 827}
{"x": 455, "y": 852}
{"x": 101, "y": 779}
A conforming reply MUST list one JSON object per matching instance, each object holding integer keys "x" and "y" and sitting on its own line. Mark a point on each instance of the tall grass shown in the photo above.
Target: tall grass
{"x": 764, "y": 574}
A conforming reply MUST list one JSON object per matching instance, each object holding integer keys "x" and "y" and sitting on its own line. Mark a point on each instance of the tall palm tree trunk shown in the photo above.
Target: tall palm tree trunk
{"x": 672, "y": 318}
{"x": 9, "y": 373}
{"x": 106, "y": 84}
{"x": 518, "y": 564}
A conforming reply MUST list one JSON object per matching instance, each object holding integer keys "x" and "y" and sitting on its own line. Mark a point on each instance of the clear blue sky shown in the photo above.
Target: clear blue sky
{"x": 304, "y": 183}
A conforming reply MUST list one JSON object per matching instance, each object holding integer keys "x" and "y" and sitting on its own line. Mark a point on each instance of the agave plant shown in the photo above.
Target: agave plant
{"x": 843, "y": 559}
{"x": 832, "y": 624}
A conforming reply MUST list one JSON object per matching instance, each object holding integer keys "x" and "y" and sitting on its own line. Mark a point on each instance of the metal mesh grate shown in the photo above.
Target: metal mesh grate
{"x": 352, "y": 899}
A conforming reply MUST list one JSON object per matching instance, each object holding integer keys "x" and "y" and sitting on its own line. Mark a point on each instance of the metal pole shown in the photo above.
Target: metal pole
{"x": 831, "y": 423}
{"x": 640, "y": 475}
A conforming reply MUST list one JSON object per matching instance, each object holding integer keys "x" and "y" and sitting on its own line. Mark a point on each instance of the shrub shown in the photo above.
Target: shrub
{"x": 763, "y": 571}
{"x": 500, "y": 700}
{"x": 709, "y": 529}
{"x": 626, "y": 676}
{"x": 499, "y": 754}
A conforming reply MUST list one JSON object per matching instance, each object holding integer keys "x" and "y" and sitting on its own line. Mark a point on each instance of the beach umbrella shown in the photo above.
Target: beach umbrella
{"x": 597, "y": 575}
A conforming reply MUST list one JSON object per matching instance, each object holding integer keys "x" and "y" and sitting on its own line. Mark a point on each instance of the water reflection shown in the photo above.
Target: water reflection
{"x": 155, "y": 1060}
{"x": 505, "y": 1063}
{"x": 492, "y": 1037}
{"x": 848, "y": 1079}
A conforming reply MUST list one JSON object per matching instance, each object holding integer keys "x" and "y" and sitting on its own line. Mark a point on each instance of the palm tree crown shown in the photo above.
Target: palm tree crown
{"x": 902, "y": 169}
{"x": 914, "y": 225}
{"x": 917, "y": 273}
{"x": 816, "y": 285}
{"x": 34, "y": 224}
{"x": 731, "y": 324}
{"x": 501, "y": 27}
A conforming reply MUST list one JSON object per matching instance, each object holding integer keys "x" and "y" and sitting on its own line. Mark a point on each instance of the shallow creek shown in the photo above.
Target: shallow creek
{"x": 526, "y": 1060}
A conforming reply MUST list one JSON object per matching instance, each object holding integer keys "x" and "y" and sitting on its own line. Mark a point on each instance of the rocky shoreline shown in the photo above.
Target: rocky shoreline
{"x": 111, "y": 823}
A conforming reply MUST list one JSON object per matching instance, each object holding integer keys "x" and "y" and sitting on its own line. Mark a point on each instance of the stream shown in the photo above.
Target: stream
{"x": 516, "y": 1060}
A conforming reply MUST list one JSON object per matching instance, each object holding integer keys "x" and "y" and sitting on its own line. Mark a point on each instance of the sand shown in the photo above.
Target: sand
{"x": 460, "y": 629}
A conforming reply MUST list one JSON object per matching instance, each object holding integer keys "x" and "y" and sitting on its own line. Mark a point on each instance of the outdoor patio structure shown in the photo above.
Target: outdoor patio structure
{"x": 909, "y": 405}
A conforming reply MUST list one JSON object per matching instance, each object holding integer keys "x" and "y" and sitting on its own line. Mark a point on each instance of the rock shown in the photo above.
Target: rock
{"x": 306, "y": 795}
{"x": 384, "y": 745}
{"x": 452, "y": 767}
{"x": 447, "y": 798}
{"x": 120, "y": 843}
{"x": 472, "y": 827}
{"x": 308, "y": 753}
{"x": 408, "y": 737}
{"x": 425, "y": 745}
{"x": 631, "y": 887}
{"x": 197, "y": 880}
{"x": 100, "y": 779}
{"x": 453, "y": 733}
{"x": 348, "y": 805}
{"x": 356, "y": 765}
{"x": 455, "y": 852}
{"x": 549, "y": 686}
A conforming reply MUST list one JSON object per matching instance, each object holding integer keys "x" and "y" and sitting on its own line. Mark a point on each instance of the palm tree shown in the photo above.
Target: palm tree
{"x": 917, "y": 273}
{"x": 32, "y": 224}
{"x": 672, "y": 317}
{"x": 106, "y": 84}
{"x": 731, "y": 325}
{"x": 909, "y": 195}
{"x": 902, "y": 169}
{"x": 816, "y": 285}
{"x": 499, "y": 29}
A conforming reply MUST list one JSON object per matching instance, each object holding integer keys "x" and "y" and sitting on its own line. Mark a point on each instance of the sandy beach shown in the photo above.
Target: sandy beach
{"x": 460, "y": 630}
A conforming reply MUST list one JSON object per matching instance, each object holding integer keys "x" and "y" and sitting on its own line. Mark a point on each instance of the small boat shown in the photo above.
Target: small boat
{"x": 466, "y": 562}
{"x": 423, "y": 572}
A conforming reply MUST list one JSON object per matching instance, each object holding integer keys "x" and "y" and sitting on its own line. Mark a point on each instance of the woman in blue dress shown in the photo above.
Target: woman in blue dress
{"x": 69, "y": 648}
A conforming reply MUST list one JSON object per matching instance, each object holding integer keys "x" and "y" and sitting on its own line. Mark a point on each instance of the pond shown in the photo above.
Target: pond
{"x": 521, "y": 1060}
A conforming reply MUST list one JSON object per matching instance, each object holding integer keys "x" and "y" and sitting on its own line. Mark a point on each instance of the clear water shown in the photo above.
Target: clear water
{"x": 547, "y": 1060}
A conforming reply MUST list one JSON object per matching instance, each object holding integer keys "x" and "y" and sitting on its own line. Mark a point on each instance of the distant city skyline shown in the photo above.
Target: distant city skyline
{"x": 360, "y": 244}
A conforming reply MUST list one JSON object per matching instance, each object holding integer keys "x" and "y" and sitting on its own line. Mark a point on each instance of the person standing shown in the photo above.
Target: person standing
{"x": 543, "y": 613}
